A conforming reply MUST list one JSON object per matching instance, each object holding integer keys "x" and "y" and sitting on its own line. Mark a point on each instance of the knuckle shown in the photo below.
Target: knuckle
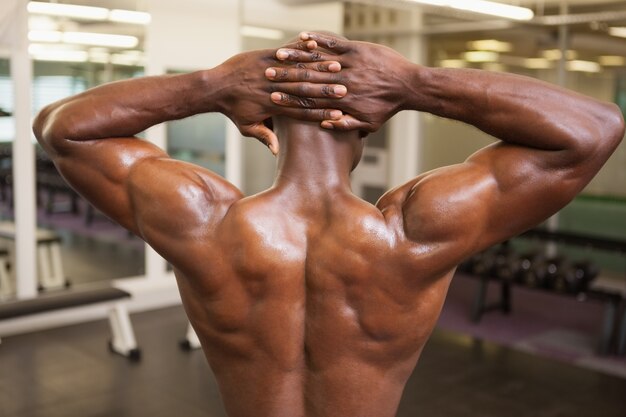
{"x": 300, "y": 65}
{"x": 321, "y": 67}
{"x": 306, "y": 103}
{"x": 327, "y": 91}
{"x": 303, "y": 89}
{"x": 306, "y": 74}
{"x": 316, "y": 56}
{"x": 282, "y": 74}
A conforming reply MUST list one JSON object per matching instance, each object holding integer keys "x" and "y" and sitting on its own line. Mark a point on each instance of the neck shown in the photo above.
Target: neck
{"x": 312, "y": 159}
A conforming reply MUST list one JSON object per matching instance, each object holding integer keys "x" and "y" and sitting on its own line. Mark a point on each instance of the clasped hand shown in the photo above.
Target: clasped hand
{"x": 344, "y": 85}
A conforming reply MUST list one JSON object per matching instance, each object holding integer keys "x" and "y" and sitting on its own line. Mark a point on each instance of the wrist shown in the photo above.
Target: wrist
{"x": 211, "y": 85}
{"x": 419, "y": 79}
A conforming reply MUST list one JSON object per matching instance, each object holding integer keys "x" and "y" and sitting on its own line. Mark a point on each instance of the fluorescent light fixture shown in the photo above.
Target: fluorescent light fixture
{"x": 481, "y": 56}
{"x": 100, "y": 39}
{"x": 129, "y": 16}
{"x": 84, "y": 38}
{"x": 537, "y": 63}
{"x": 257, "y": 32}
{"x": 555, "y": 54}
{"x": 68, "y": 10}
{"x": 612, "y": 61}
{"x": 453, "y": 63}
{"x": 53, "y": 36}
{"x": 88, "y": 12}
{"x": 583, "y": 66}
{"x": 60, "y": 55}
{"x": 127, "y": 59}
{"x": 490, "y": 45}
{"x": 618, "y": 31}
{"x": 484, "y": 7}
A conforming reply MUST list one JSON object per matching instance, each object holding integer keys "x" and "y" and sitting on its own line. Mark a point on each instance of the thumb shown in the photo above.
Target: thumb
{"x": 263, "y": 134}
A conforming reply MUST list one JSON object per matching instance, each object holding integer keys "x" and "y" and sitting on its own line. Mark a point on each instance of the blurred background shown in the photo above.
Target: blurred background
{"x": 52, "y": 240}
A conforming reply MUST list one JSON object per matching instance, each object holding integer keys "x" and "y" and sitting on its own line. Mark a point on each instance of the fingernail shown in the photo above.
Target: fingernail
{"x": 336, "y": 114}
{"x": 327, "y": 125}
{"x": 335, "y": 66}
{"x": 282, "y": 54}
{"x": 304, "y": 36}
{"x": 340, "y": 90}
{"x": 276, "y": 96}
{"x": 270, "y": 73}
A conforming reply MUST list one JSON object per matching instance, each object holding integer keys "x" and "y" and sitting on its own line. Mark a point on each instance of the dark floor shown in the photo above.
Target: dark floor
{"x": 68, "y": 372}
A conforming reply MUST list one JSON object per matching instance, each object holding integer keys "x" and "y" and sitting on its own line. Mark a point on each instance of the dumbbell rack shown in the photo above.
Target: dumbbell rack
{"x": 612, "y": 300}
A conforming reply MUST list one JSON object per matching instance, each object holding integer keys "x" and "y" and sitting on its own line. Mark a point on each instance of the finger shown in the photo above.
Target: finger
{"x": 289, "y": 100}
{"x": 325, "y": 72}
{"x": 302, "y": 45}
{"x": 330, "y": 42}
{"x": 295, "y": 55}
{"x": 311, "y": 115}
{"x": 313, "y": 90}
{"x": 347, "y": 122}
{"x": 263, "y": 134}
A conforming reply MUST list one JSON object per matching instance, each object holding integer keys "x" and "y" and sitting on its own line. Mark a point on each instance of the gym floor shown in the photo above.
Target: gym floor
{"x": 69, "y": 372}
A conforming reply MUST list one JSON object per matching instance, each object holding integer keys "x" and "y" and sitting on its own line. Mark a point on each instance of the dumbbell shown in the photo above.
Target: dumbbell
{"x": 529, "y": 272}
{"x": 507, "y": 264}
{"x": 577, "y": 277}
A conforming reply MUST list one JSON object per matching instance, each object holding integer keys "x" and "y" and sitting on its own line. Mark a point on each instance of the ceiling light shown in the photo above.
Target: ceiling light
{"x": 612, "y": 61}
{"x": 485, "y": 7}
{"x": 481, "y": 56}
{"x": 453, "y": 63}
{"x": 583, "y": 66}
{"x": 490, "y": 45}
{"x": 100, "y": 39}
{"x": 60, "y": 55}
{"x": 45, "y": 36}
{"x": 68, "y": 10}
{"x": 618, "y": 31}
{"x": 555, "y": 54}
{"x": 129, "y": 16}
{"x": 537, "y": 63}
{"x": 127, "y": 59}
{"x": 84, "y": 38}
{"x": 88, "y": 12}
{"x": 257, "y": 32}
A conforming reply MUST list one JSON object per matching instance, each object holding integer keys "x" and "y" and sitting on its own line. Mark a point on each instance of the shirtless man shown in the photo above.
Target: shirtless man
{"x": 309, "y": 301}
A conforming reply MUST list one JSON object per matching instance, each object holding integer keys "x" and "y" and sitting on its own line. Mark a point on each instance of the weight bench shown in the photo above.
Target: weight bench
{"x": 50, "y": 274}
{"x": 123, "y": 338}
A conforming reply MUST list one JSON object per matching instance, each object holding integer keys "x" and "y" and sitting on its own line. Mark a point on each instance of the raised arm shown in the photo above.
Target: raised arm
{"x": 553, "y": 141}
{"x": 91, "y": 137}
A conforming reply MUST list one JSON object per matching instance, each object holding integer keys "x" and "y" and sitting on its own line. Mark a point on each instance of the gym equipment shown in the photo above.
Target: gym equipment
{"x": 123, "y": 337}
{"x": 6, "y": 287}
{"x": 559, "y": 275}
{"x": 191, "y": 341}
{"x": 50, "y": 266}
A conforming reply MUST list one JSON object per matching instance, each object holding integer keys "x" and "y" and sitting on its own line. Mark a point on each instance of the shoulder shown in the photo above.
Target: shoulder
{"x": 178, "y": 197}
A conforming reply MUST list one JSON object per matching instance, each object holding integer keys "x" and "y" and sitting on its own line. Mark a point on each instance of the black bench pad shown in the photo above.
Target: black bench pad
{"x": 60, "y": 300}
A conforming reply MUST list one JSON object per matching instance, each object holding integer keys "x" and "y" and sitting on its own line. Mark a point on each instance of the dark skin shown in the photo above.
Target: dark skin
{"x": 309, "y": 301}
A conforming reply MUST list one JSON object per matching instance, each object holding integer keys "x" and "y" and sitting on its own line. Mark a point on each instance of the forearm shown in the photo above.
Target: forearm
{"x": 125, "y": 108}
{"x": 516, "y": 109}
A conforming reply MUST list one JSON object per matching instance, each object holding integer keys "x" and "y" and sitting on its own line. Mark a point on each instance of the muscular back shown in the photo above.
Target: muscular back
{"x": 311, "y": 310}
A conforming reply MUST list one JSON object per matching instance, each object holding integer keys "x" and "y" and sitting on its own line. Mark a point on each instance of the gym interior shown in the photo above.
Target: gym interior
{"x": 91, "y": 322}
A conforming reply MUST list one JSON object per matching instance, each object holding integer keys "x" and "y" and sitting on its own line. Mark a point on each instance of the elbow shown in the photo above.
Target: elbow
{"x": 613, "y": 127}
{"x": 47, "y": 130}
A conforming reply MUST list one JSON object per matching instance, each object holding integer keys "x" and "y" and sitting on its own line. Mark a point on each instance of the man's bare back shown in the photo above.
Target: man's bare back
{"x": 307, "y": 300}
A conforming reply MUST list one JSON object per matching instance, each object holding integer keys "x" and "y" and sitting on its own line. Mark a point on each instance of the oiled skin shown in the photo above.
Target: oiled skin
{"x": 308, "y": 301}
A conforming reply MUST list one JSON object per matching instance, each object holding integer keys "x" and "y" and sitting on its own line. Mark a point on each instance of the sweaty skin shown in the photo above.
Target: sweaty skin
{"x": 308, "y": 301}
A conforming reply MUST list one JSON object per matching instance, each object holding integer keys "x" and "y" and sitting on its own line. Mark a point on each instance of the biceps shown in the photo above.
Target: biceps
{"x": 99, "y": 170}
